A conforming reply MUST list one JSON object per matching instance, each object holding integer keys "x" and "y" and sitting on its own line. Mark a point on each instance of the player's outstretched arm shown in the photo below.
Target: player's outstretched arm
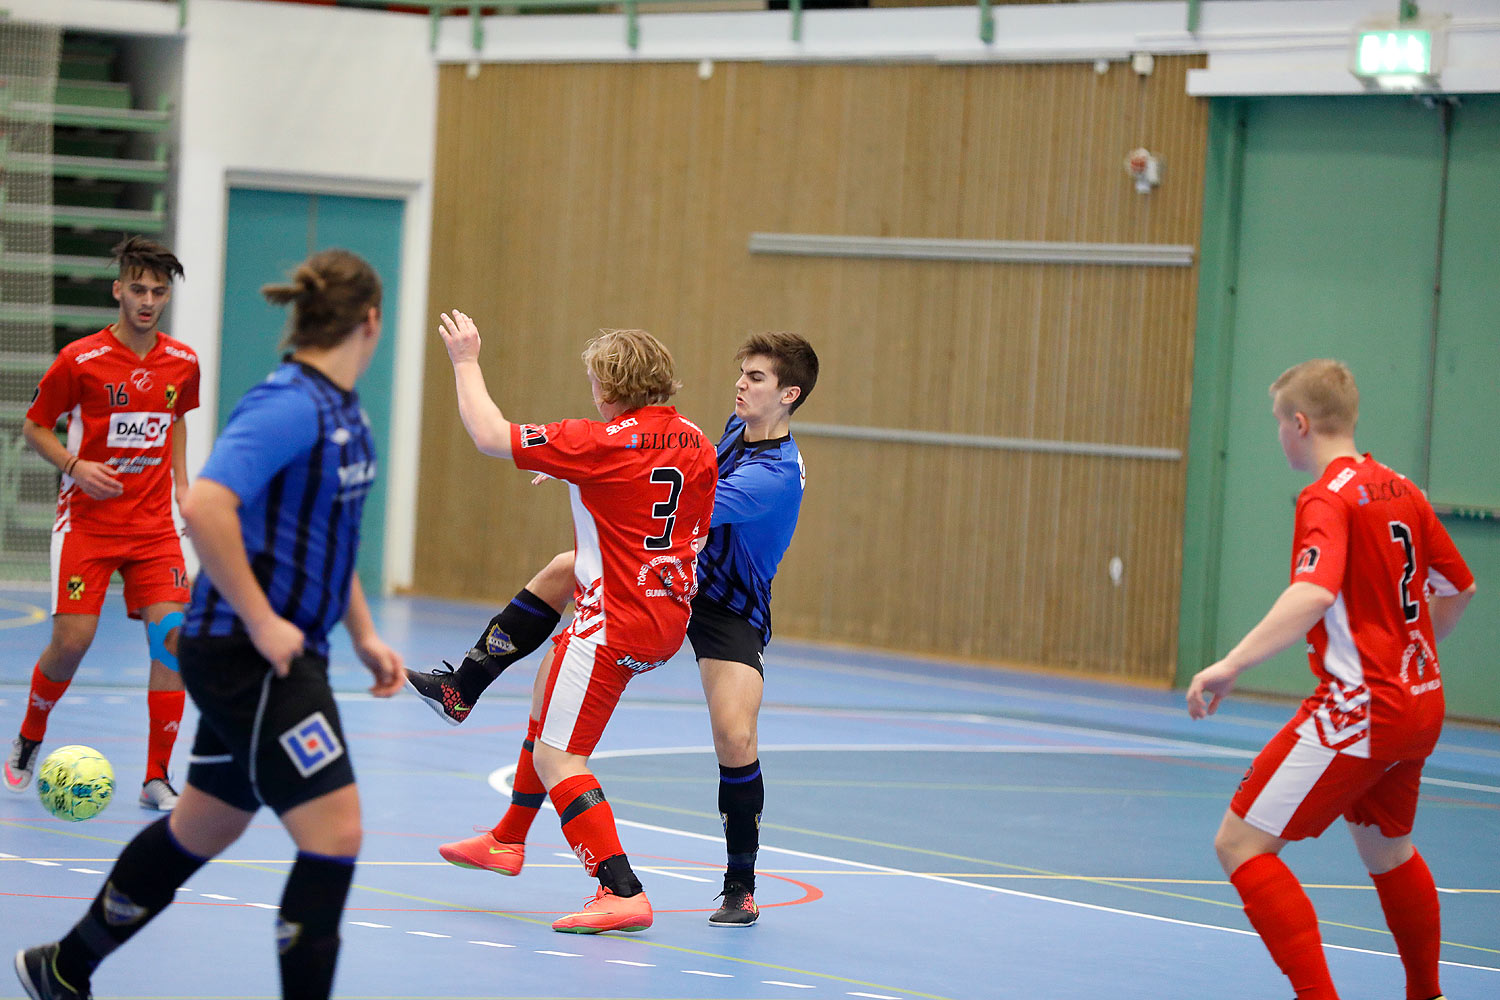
{"x": 1297, "y": 609}
{"x": 482, "y": 418}
{"x": 383, "y": 662}
{"x": 212, "y": 514}
{"x": 1446, "y": 611}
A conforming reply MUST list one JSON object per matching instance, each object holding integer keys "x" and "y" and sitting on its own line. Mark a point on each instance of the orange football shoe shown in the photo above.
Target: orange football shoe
{"x": 608, "y": 912}
{"x": 485, "y": 853}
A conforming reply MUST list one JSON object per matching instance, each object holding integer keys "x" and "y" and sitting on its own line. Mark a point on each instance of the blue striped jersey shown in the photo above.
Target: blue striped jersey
{"x": 298, "y": 453}
{"x": 755, "y": 513}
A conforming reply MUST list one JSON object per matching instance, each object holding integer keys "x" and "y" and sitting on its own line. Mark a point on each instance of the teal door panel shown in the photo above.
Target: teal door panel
{"x": 1337, "y": 258}
{"x": 371, "y": 227}
{"x": 269, "y": 234}
{"x": 1465, "y": 467}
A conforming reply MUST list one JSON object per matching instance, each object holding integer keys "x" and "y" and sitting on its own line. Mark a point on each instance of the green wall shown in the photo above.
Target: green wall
{"x": 1322, "y": 224}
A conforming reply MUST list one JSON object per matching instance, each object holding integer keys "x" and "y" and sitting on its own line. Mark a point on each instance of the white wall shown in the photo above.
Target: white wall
{"x": 328, "y": 99}
{"x": 333, "y": 100}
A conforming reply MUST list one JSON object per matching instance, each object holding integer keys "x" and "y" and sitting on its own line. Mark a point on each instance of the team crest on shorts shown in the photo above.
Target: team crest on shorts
{"x": 75, "y": 588}
{"x": 311, "y": 744}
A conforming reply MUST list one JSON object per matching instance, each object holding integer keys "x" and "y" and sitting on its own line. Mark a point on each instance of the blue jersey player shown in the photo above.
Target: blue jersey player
{"x": 759, "y": 494}
{"x": 275, "y": 518}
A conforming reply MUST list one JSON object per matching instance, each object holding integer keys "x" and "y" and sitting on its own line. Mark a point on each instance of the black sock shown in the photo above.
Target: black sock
{"x": 521, "y": 628}
{"x": 307, "y": 931}
{"x": 616, "y": 875}
{"x": 142, "y": 883}
{"x": 742, "y": 796}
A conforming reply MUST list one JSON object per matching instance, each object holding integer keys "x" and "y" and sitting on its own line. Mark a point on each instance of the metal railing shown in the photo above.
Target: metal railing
{"x": 436, "y": 10}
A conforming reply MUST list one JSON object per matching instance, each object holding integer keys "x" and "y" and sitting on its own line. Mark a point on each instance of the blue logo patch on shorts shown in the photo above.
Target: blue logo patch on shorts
{"x": 311, "y": 744}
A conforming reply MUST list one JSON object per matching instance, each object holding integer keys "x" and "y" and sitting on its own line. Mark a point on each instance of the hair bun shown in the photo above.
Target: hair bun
{"x": 310, "y": 282}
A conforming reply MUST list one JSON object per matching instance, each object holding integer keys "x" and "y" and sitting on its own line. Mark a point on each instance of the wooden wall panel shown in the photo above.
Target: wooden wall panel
{"x": 573, "y": 197}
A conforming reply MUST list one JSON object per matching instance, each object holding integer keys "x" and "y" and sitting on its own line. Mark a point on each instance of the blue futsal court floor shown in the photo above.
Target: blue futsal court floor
{"x": 932, "y": 830}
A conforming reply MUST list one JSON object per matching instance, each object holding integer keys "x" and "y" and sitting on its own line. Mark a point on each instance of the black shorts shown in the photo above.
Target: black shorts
{"x": 262, "y": 739}
{"x": 717, "y": 633}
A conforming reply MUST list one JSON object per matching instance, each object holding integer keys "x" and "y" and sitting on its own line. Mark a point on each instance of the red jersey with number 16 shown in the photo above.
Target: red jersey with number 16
{"x": 1368, "y": 534}
{"x": 642, "y": 490}
{"x": 120, "y": 409}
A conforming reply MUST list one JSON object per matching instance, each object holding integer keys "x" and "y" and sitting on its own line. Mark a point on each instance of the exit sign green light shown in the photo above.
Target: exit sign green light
{"x": 1393, "y": 52}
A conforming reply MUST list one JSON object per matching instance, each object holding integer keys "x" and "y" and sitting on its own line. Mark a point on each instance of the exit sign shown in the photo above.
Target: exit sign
{"x": 1397, "y": 56}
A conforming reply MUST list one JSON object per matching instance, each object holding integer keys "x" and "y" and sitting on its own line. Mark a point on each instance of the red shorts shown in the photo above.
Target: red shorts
{"x": 1296, "y": 787}
{"x": 582, "y": 692}
{"x": 82, "y": 564}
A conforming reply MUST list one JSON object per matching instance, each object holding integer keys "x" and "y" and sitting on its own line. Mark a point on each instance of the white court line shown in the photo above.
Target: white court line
{"x": 86, "y": 871}
{"x": 795, "y": 986}
{"x": 492, "y": 944}
{"x": 264, "y": 906}
{"x": 561, "y": 954}
{"x": 668, "y": 874}
{"x": 366, "y": 923}
{"x": 634, "y": 965}
{"x": 428, "y": 934}
{"x": 215, "y": 895}
{"x": 711, "y": 975}
{"x": 1011, "y": 892}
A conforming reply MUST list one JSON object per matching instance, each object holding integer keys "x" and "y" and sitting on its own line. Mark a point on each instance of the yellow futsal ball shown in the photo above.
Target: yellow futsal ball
{"x": 75, "y": 783}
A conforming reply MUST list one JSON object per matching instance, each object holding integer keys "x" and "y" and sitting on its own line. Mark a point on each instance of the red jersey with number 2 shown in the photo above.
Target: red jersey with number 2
{"x": 642, "y": 490}
{"x": 1368, "y": 534}
{"x": 120, "y": 409}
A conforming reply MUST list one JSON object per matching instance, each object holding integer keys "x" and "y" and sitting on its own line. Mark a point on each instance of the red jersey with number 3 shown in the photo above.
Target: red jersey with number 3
{"x": 642, "y": 490}
{"x": 1368, "y": 534}
{"x": 120, "y": 409}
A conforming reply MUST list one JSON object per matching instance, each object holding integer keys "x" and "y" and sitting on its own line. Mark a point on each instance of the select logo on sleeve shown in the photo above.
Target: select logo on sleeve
{"x": 139, "y": 429}
{"x": 311, "y": 744}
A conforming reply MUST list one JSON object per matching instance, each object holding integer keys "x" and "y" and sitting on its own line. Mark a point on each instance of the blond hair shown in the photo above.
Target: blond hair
{"x": 632, "y": 368}
{"x": 1321, "y": 389}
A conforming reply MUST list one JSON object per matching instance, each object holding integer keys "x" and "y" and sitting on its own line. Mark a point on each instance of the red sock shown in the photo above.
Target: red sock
{"x": 1285, "y": 919}
{"x": 588, "y": 822}
{"x": 166, "y": 718}
{"x": 527, "y": 794}
{"x": 44, "y": 695}
{"x": 1410, "y": 901}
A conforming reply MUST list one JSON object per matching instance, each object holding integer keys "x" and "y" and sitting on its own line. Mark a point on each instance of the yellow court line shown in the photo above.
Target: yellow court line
{"x": 30, "y": 614}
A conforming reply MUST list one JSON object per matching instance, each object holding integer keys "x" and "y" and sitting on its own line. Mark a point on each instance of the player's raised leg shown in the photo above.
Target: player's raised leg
{"x": 516, "y": 632}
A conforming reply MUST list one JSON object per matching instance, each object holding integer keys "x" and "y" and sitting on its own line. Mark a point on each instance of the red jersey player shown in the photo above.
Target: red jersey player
{"x": 1376, "y": 582}
{"x": 124, "y": 390}
{"x": 641, "y": 485}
